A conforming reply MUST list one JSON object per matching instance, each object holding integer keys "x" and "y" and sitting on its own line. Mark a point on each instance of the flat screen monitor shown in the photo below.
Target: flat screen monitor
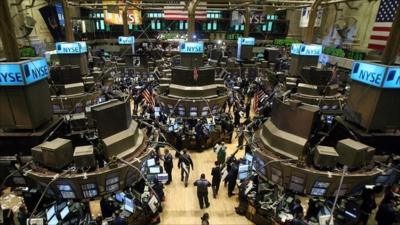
{"x": 193, "y": 114}
{"x": 64, "y": 212}
{"x": 61, "y": 206}
{"x": 50, "y": 212}
{"x": 154, "y": 169}
{"x": 120, "y": 196}
{"x": 248, "y": 157}
{"x": 53, "y": 221}
{"x": 162, "y": 177}
{"x": 319, "y": 184}
{"x": 181, "y": 113}
{"x": 129, "y": 205}
{"x": 193, "y": 109}
{"x": 318, "y": 191}
{"x": 243, "y": 175}
{"x": 151, "y": 162}
{"x": 243, "y": 168}
{"x": 204, "y": 113}
{"x": 176, "y": 126}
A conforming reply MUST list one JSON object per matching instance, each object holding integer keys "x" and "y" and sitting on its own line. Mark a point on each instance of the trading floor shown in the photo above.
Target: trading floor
{"x": 181, "y": 204}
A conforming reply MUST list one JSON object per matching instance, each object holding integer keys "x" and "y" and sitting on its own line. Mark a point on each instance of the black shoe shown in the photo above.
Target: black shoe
{"x": 207, "y": 205}
{"x": 215, "y": 196}
{"x": 186, "y": 185}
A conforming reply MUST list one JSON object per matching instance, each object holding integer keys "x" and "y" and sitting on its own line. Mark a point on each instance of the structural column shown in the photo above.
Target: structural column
{"x": 393, "y": 42}
{"x": 192, "y": 19}
{"x": 311, "y": 22}
{"x": 247, "y": 16}
{"x": 7, "y": 33}
{"x": 69, "y": 34}
{"x": 125, "y": 21}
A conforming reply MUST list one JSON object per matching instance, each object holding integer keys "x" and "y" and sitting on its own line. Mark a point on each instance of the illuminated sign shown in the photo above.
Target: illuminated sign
{"x": 126, "y": 40}
{"x": 392, "y": 79}
{"x": 192, "y": 47}
{"x": 371, "y": 74}
{"x": 246, "y": 41}
{"x": 295, "y": 49}
{"x": 116, "y": 18}
{"x": 35, "y": 70}
{"x": 71, "y": 48}
{"x": 308, "y": 50}
{"x": 23, "y": 73}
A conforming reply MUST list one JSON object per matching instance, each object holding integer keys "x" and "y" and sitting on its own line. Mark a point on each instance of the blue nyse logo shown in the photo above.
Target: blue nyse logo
{"x": 35, "y": 70}
{"x": 122, "y": 40}
{"x": 71, "y": 48}
{"x": 11, "y": 75}
{"x": 246, "y": 41}
{"x": 304, "y": 49}
{"x": 393, "y": 78}
{"x": 371, "y": 74}
{"x": 23, "y": 73}
{"x": 192, "y": 47}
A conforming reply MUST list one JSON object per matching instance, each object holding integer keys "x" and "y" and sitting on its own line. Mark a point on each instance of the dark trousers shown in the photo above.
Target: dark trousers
{"x": 169, "y": 172}
{"x": 231, "y": 187}
{"x": 215, "y": 187}
{"x": 185, "y": 176}
{"x": 203, "y": 199}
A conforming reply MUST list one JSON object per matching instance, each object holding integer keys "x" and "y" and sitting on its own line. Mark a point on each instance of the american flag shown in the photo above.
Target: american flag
{"x": 195, "y": 74}
{"x": 180, "y": 12}
{"x": 258, "y": 97}
{"x": 148, "y": 97}
{"x": 383, "y": 24}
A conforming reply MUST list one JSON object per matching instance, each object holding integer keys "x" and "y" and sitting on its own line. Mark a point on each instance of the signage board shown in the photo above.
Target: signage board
{"x": 122, "y": 40}
{"x": 306, "y": 50}
{"x": 71, "y": 47}
{"x": 191, "y": 47}
{"x": 392, "y": 79}
{"x": 23, "y": 73}
{"x": 246, "y": 41}
{"x": 116, "y": 18}
{"x": 368, "y": 73}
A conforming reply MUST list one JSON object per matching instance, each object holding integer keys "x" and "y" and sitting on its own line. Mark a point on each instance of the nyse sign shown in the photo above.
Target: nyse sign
{"x": 246, "y": 41}
{"x": 71, "y": 48}
{"x": 307, "y": 50}
{"x": 392, "y": 79}
{"x": 192, "y": 47}
{"x": 371, "y": 74}
{"x": 122, "y": 40}
{"x": 23, "y": 73}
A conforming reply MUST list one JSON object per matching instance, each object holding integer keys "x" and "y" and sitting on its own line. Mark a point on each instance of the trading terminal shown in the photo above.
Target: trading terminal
{"x": 117, "y": 112}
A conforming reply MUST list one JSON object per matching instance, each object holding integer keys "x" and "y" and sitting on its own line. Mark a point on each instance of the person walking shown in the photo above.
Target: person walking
{"x": 168, "y": 165}
{"x": 221, "y": 154}
{"x": 216, "y": 178}
{"x": 184, "y": 163}
{"x": 202, "y": 191}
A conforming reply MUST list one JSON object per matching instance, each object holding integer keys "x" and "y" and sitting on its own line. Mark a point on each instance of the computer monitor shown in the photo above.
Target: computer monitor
{"x": 151, "y": 162}
{"x": 204, "y": 113}
{"x": 181, "y": 113}
{"x": 120, "y": 196}
{"x": 64, "y": 212}
{"x": 50, "y": 212}
{"x": 53, "y": 221}
{"x": 243, "y": 168}
{"x": 129, "y": 205}
{"x": 193, "y": 114}
{"x": 162, "y": 177}
{"x": 243, "y": 175}
{"x": 248, "y": 157}
{"x": 318, "y": 191}
{"x": 154, "y": 169}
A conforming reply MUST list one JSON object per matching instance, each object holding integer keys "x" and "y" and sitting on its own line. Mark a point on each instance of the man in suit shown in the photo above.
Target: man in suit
{"x": 202, "y": 191}
{"x": 168, "y": 165}
{"x": 184, "y": 163}
{"x": 216, "y": 178}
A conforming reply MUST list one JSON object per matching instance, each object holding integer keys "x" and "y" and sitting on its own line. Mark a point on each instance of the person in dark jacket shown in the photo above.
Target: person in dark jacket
{"x": 184, "y": 163}
{"x": 386, "y": 214}
{"x": 22, "y": 215}
{"x": 216, "y": 178}
{"x": 231, "y": 178}
{"x": 118, "y": 220}
{"x": 297, "y": 209}
{"x": 202, "y": 191}
{"x": 205, "y": 218}
{"x": 236, "y": 117}
{"x": 168, "y": 165}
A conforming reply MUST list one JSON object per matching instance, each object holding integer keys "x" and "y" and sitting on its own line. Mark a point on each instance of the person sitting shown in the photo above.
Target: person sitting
{"x": 297, "y": 209}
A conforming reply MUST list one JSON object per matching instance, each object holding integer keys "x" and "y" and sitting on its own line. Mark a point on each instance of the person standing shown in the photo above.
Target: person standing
{"x": 168, "y": 165}
{"x": 202, "y": 191}
{"x": 231, "y": 178}
{"x": 236, "y": 117}
{"x": 216, "y": 178}
{"x": 240, "y": 136}
{"x": 184, "y": 163}
{"x": 221, "y": 154}
{"x": 22, "y": 215}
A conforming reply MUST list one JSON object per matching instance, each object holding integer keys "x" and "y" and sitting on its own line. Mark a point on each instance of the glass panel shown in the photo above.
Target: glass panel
{"x": 215, "y": 25}
{"x": 102, "y": 25}
{"x": 269, "y": 26}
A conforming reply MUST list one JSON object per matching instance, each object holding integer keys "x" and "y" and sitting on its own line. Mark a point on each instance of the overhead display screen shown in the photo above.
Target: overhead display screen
{"x": 23, "y": 73}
